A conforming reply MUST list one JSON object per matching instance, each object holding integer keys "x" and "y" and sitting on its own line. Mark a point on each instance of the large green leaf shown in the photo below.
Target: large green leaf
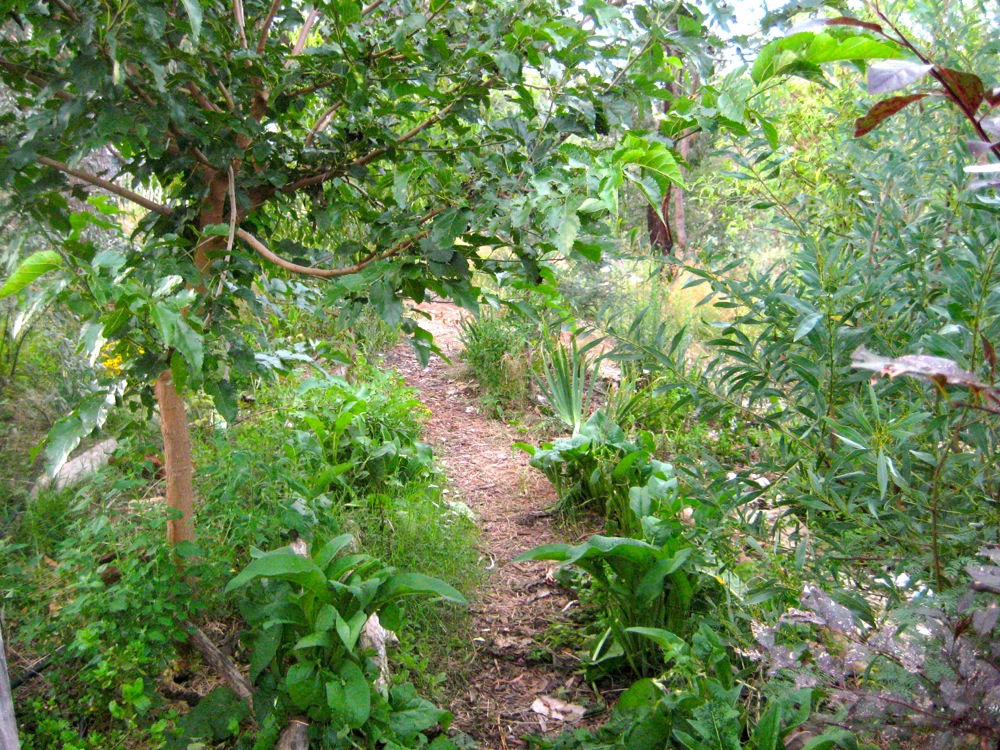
{"x": 31, "y": 268}
{"x": 597, "y": 546}
{"x": 282, "y": 564}
{"x": 357, "y": 694}
{"x": 416, "y": 583}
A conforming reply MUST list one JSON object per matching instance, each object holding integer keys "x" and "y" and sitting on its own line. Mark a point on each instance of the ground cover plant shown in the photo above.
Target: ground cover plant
{"x": 94, "y": 550}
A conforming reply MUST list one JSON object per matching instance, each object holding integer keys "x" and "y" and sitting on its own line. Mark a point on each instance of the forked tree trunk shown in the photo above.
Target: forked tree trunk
{"x": 8, "y": 723}
{"x": 177, "y": 461}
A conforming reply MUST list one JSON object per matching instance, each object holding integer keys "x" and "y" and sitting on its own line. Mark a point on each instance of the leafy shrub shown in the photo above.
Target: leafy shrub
{"x": 699, "y": 705}
{"x": 308, "y": 653}
{"x": 597, "y": 467}
{"x": 567, "y": 380}
{"x": 926, "y": 670}
{"x": 648, "y": 586}
{"x": 81, "y": 559}
{"x": 362, "y": 438}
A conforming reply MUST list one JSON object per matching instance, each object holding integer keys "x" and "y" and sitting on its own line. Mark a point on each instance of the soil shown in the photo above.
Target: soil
{"x": 513, "y": 667}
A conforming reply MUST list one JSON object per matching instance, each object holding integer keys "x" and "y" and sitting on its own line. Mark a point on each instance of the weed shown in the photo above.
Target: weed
{"x": 497, "y": 355}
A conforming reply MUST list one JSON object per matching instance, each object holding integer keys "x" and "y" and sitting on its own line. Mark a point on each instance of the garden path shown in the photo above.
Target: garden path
{"x": 511, "y": 669}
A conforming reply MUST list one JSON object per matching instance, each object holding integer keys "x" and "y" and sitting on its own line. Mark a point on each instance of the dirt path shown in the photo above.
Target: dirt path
{"x": 512, "y": 667}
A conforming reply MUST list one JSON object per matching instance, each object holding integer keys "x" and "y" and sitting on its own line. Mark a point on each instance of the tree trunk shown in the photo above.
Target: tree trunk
{"x": 177, "y": 461}
{"x": 680, "y": 225}
{"x": 661, "y": 239}
{"x": 8, "y": 723}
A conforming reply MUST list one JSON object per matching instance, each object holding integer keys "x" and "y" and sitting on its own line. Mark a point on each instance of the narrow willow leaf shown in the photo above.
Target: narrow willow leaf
{"x": 807, "y": 324}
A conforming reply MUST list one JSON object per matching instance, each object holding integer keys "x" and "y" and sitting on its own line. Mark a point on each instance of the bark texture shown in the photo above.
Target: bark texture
{"x": 177, "y": 461}
{"x": 680, "y": 222}
{"x": 661, "y": 238}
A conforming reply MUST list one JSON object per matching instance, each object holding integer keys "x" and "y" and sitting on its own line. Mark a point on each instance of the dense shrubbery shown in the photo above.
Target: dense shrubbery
{"x": 88, "y": 579}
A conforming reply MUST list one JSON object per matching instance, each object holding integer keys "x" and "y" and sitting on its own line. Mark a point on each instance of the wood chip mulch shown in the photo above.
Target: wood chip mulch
{"x": 511, "y": 668}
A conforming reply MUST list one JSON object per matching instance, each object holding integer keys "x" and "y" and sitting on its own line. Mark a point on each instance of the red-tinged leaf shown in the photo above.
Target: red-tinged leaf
{"x": 848, "y": 21}
{"x": 966, "y": 88}
{"x": 991, "y": 355}
{"x": 884, "y": 109}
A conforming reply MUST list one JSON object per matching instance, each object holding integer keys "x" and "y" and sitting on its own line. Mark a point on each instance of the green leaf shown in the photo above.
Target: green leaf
{"x": 767, "y": 733}
{"x": 31, "y": 268}
{"x": 568, "y": 230}
{"x": 831, "y": 738}
{"x": 64, "y": 436}
{"x": 264, "y": 650}
{"x": 416, "y": 583}
{"x": 446, "y": 229}
{"x": 357, "y": 694}
{"x": 412, "y": 714}
{"x": 326, "y": 618}
{"x": 350, "y": 630}
{"x": 302, "y": 684}
{"x": 331, "y": 549}
{"x": 808, "y": 323}
{"x": 672, "y": 644}
{"x": 313, "y": 640}
{"x": 281, "y": 564}
{"x": 193, "y": 9}
{"x": 176, "y": 333}
{"x": 223, "y": 397}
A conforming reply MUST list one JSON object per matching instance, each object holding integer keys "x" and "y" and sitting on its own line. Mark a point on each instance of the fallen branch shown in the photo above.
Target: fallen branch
{"x": 35, "y": 669}
{"x": 295, "y": 736}
{"x": 219, "y": 662}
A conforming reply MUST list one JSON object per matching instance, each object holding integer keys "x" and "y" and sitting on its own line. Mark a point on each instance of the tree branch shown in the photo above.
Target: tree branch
{"x": 266, "y": 27}
{"x": 329, "y": 273}
{"x": 32, "y": 78}
{"x": 371, "y": 156}
{"x": 322, "y": 122}
{"x": 300, "y": 43}
{"x": 240, "y": 22}
{"x": 219, "y": 662}
{"x": 107, "y": 185}
{"x": 192, "y": 89}
{"x": 68, "y": 10}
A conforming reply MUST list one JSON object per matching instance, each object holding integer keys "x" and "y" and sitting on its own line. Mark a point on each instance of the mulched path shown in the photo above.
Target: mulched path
{"x": 518, "y": 603}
